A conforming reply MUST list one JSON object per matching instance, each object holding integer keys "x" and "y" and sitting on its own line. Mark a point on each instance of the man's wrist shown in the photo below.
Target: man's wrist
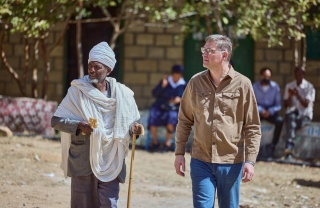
{"x": 250, "y": 162}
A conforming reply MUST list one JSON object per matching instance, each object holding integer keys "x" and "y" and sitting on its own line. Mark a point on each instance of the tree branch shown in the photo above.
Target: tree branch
{"x": 46, "y": 69}
{"x": 34, "y": 90}
{"x": 79, "y": 43}
{"x": 107, "y": 14}
{"x": 26, "y": 62}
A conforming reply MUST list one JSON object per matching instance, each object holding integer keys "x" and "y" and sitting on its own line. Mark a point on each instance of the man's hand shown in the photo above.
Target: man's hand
{"x": 247, "y": 172}
{"x": 175, "y": 100}
{"x": 85, "y": 127}
{"x": 293, "y": 92}
{"x": 265, "y": 114}
{"x": 137, "y": 128}
{"x": 180, "y": 165}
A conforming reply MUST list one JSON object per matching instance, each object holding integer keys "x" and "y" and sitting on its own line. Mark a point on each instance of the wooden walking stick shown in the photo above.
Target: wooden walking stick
{"x": 134, "y": 138}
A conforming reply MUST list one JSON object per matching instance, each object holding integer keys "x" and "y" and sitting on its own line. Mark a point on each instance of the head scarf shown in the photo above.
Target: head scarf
{"x": 103, "y": 54}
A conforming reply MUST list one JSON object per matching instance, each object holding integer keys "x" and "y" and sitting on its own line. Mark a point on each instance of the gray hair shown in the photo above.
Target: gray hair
{"x": 222, "y": 43}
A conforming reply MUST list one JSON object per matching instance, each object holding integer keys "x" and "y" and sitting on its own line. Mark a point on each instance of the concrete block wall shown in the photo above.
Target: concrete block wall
{"x": 281, "y": 61}
{"x": 149, "y": 54}
{"x": 14, "y": 50}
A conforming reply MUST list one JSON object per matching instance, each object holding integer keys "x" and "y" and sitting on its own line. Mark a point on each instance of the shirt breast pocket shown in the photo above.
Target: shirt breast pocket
{"x": 203, "y": 99}
{"x": 230, "y": 101}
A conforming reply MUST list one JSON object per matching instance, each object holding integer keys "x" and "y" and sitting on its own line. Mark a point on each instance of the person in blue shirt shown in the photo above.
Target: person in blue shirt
{"x": 268, "y": 97}
{"x": 164, "y": 111}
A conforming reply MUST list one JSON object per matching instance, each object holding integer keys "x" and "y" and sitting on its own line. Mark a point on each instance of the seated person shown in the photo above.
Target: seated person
{"x": 164, "y": 112}
{"x": 299, "y": 96}
{"x": 268, "y": 97}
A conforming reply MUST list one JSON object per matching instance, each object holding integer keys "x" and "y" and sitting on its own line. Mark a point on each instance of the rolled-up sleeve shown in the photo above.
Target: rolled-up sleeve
{"x": 65, "y": 124}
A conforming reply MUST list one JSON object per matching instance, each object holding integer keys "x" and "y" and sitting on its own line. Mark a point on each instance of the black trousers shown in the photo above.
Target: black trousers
{"x": 277, "y": 120}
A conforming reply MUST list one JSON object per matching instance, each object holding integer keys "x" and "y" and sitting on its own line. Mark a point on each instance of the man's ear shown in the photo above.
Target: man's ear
{"x": 108, "y": 70}
{"x": 225, "y": 55}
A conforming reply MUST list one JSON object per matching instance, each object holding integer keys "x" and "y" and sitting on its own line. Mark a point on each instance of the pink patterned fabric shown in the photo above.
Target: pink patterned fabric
{"x": 27, "y": 115}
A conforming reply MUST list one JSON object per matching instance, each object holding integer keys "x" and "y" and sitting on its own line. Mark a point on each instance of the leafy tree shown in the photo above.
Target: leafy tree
{"x": 275, "y": 21}
{"x": 34, "y": 20}
{"x": 265, "y": 20}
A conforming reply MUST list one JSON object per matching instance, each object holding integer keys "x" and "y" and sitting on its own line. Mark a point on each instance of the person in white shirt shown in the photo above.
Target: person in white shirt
{"x": 299, "y": 97}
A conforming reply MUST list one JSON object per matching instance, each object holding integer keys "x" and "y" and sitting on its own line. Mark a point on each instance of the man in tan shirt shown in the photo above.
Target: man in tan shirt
{"x": 220, "y": 104}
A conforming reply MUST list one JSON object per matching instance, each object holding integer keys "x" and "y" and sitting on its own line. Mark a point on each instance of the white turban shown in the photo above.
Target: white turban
{"x": 103, "y": 54}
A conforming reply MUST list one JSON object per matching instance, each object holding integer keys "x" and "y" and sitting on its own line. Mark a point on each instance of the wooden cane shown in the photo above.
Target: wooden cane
{"x": 131, "y": 168}
{"x": 134, "y": 138}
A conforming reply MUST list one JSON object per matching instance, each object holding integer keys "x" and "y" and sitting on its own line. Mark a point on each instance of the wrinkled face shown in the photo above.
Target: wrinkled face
{"x": 97, "y": 72}
{"x": 212, "y": 56}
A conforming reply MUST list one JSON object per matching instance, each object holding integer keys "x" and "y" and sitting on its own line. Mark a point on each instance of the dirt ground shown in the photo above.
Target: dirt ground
{"x": 31, "y": 177}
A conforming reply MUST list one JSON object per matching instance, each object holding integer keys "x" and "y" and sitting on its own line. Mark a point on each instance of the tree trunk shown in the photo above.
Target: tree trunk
{"x": 217, "y": 16}
{"x": 115, "y": 35}
{"x": 26, "y": 62}
{"x": 34, "y": 83}
{"x": 79, "y": 43}
{"x": 46, "y": 69}
{"x": 208, "y": 25}
{"x": 303, "y": 53}
{"x": 296, "y": 53}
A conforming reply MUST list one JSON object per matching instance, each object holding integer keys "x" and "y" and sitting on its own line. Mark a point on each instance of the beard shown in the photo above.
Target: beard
{"x": 94, "y": 81}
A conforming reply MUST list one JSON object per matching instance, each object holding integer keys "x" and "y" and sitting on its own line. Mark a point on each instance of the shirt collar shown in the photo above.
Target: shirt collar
{"x": 231, "y": 73}
{"x": 303, "y": 84}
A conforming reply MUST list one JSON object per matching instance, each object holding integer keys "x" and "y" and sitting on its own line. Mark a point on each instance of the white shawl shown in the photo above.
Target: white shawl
{"x": 107, "y": 148}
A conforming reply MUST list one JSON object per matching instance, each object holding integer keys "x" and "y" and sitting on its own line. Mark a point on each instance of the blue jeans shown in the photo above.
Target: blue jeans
{"x": 209, "y": 177}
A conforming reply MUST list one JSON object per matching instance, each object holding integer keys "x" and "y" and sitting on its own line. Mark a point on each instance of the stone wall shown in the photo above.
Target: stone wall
{"x": 281, "y": 62}
{"x": 14, "y": 49}
{"x": 149, "y": 54}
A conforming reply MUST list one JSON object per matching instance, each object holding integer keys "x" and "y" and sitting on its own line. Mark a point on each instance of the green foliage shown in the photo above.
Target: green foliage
{"x": 33, "y": 18}
{"x": 268, "y": 20}
{"x": 274, "y": 21}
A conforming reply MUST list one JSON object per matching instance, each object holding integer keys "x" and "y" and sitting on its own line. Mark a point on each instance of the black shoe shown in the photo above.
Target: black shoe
{"x": 154, "y": 147}
{"x": 167, "y": 148}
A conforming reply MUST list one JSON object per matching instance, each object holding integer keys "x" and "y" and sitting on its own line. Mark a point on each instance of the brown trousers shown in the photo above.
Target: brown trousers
{"x": 89, "y": 192}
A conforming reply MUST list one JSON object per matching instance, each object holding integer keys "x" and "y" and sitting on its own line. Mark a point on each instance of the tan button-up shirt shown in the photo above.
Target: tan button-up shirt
{"x": 225, "y": 119}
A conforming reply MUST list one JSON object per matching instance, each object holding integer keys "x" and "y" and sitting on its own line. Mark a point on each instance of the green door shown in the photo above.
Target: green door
{"x": 192, "y": 57}
{"x": 243, "y": 57}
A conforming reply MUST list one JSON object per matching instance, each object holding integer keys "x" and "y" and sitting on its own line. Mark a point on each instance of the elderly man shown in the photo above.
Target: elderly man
{"x": 220, "y": 104}
{"x": 94, "y": 155}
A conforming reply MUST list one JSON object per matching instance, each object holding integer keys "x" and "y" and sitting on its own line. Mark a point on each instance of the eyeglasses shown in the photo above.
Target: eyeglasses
{"x": 208, "y": 50}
